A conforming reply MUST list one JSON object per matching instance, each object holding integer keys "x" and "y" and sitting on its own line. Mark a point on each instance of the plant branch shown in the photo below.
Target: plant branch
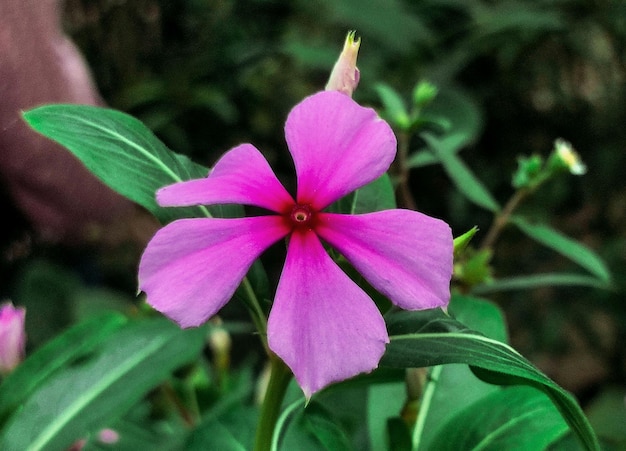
{"x": 502, "y": 218}
{"x": 405, "y": 198}
{"x": 280, "y": 376}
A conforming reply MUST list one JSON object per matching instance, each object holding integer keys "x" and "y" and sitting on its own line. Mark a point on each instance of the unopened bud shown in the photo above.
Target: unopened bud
{"x": 424, "y": 93}
{"x": 345, "y": 75}
{"x": 220, "y": 344}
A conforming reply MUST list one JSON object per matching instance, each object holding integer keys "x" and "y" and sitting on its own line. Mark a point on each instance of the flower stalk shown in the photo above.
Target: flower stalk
{"x": 405, "y": 198}
{"x": 280, "y": 375}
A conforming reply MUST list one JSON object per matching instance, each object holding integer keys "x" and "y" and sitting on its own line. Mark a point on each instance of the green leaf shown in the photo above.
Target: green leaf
{"x": 139, "y": 430}
{"x": 464, "y": 120}
{"x": 462, "y": 177}
{"x": 538, "y": 280}
{"x": 480, "y": 315}
{"x": 46, "y": 361}
{"x": 375, "y": 196}
{"x": 450, "y": 388}
{"x": 96, "y": 391}
{"x": 121, "y": 151}
{"x": 384, "y": 401}
{"x": 512, "y": 418}
{"x": 607, "y": 413}
{"x": 310, "y": 428}
{"x": 427, "y": 338}
{"x": 232, "y": 430}
{"x": 389, "y": 22}
{"x": 394, "y": 108}
{"x": 566, "y": 246}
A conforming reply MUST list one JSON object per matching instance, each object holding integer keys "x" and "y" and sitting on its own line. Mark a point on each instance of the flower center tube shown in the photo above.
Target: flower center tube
{"x": 301, "y": 216}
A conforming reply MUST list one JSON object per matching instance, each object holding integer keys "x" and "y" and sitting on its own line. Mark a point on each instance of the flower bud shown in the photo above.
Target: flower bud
{"x": 220, "y": 344}
{"x": 568, "y": 158}
{"x": 12, "y": 336}
{"x": 530, "y": 172}
{"x": 424, "y": 93}
{"x": 345, "y": 75}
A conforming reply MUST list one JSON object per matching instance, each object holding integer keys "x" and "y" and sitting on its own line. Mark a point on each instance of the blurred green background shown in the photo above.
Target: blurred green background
{"x": 206, "y": 75}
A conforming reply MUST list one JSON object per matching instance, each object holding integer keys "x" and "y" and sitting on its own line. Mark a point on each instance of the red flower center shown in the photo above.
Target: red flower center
{"x": 301, "y": 216}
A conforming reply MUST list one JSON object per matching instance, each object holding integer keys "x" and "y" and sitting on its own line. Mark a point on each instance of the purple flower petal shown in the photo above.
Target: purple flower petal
{"x": 241, "y": 176}
{"x": 405, "y": 255}
{"x": 323, "y": 326}
{"x": 337, "y": 147}
{"x": 192, "y": 267}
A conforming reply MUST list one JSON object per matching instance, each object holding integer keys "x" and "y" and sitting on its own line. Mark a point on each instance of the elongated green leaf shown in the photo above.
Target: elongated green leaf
{"x": 450, "y": 388}
{"x": 512, "y": 418}
{"x": 313, "y": 428}
{"x": 422, "y": 339}
{"x": 465, "y": 125}
{"x": 97, "y": 391}
{"x": 73, "y": 344}
{"x": 462, "y": 177}
{"x": 538, "y": 280}
{"x": 120, "y": 150}
{"x": 394, "y": 109}
{"x": 564, "y": 245}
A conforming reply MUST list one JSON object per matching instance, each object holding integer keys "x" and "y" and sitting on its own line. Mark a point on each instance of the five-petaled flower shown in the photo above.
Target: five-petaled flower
{"x": 322, "y": 324}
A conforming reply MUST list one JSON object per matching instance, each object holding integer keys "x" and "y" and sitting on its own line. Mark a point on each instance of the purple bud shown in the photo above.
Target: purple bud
{"x": 12, "y": 336}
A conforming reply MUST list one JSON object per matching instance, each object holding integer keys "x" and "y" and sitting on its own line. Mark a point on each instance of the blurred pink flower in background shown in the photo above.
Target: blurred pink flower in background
{"x": 12, "y": 336}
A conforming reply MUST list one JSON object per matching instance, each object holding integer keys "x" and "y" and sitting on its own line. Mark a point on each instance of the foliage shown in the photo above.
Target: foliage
{"x": 468, "y": 87}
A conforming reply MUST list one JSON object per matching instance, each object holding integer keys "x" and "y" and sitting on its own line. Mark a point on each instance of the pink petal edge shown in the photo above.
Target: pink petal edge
{"x": 405, "y": 255}
{"x": 192, "y": 267}
{"x": 241, "y": 176}
{"x": 337, "y": 146}
{"x": 323, "y": 326}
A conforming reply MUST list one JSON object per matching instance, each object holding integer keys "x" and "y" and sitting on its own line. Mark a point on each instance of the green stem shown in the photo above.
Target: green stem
{"x": 254, "y": 307}
{"x": 405, "y": 198}
{"x": 280, "y": 376}
{"x": 502, "y": 219}
{"x": 427, "y": 398}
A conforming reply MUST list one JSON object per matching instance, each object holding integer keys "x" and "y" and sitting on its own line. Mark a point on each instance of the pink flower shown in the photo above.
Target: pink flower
{"x": 322, "y": 324}
{"x": 12, "y": 336}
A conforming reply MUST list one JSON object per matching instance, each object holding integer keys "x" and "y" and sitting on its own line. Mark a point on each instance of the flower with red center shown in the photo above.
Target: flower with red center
{"x": 322, "y": 324}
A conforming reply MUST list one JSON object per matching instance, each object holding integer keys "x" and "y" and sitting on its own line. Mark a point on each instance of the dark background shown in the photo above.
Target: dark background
{"x": 207, "y": 75}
